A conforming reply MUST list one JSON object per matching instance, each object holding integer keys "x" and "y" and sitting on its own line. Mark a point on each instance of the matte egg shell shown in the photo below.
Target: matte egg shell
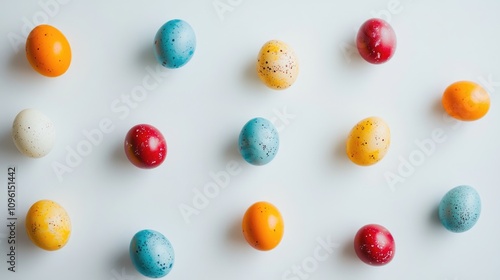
{"x": 175, "y": 43}
{"x": 460, "y": 208}
{"x": 258, "y": 141}
{"x": 152, "y": 253}
{"x": 277, "y": 65}
{"x": 368, "y": 141}
{"x": 33, "y": 133}
{"x": 48, "y": 51}
{"x": 48, "y": 225}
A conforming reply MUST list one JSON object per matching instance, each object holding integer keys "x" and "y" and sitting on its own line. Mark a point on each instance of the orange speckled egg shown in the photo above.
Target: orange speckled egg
{"x": 466, "y": 101}
{"x": 263, "y": 226}
{"x": 48, "y": 225}
{"x": 48, "y": 51}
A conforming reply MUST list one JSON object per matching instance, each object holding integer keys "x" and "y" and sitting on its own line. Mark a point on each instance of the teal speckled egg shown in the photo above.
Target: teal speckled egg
{"x": 151, "y": 253}
{"x": 460, "y": 208}
{"x": 258, "y": 141}
{"x": 175, "y": 43}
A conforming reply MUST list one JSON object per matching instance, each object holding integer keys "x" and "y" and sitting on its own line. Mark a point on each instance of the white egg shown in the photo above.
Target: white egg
{"x": 33, "y": 133}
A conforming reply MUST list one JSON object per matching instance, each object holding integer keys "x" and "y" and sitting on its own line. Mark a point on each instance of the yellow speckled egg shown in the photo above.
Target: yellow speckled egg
{"x": 368, "y": 141}
{"x": 277, "y": 65}
{"x": 48, "y": 225}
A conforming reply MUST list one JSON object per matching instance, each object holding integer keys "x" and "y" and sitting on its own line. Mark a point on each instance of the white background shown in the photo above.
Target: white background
{"x": 201, "y": 109}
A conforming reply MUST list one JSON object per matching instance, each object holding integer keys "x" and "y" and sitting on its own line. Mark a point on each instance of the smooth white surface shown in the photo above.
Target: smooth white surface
{"x": 201, "y": 108}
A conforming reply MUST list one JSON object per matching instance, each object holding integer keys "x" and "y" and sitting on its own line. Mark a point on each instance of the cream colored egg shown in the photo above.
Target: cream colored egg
{"x": 277, "y": 65}
{"x": 48, "y": 225}
{"x": 33, "y": 133}
{"x": 368, "y": 141}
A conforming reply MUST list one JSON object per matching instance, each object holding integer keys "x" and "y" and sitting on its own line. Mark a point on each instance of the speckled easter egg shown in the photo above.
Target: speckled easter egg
{"x": 175, "y": 43}
{"x": 460, "y": 208}
{"x": 48, "y": 225}
{"x": 33, "y": 133}
{"x": 277, "y": 65}
{"x": 368, "y": 141}
{"x": 258, "y": 141}
{"x": 48, "y": 51}
{"x": 151, "y": 253}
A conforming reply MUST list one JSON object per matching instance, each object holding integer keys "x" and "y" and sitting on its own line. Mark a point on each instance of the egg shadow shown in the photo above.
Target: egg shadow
{"x": 123, "y": 265}
{"x": 434, "y": 220}
{"x": 250, "y": 76}
{"x": 234, "y": 234}
{"x": 339, "y": 160}
{"x": 232, "y": 150}
{"x": 8, "y": 147}
{"x": 19, "y": 65}
{"x": 118, "y": 156}
{"x": 349, "y": 54}
{"x": 338, "y": 152}
{"x": 146, "y": 56}
{"x": 348, "y": 254}
{"x": 119, "y": 161}
{"x": 437, "y": 110}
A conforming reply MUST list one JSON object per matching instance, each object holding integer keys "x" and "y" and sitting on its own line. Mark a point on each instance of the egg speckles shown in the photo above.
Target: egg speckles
{"x": 48, "y": 51}
{"x": 277, "y": 65}
{"x": 33, "y": 133}
{"x": 460, "y": 208}
{"x": 258, "y": 141}
{"x": 152, "y": 253}
{"x": 368, "y": 141}
{"x": 48, "y": 225}
{"x": 263, "y": 226}
{"x": 175, "y": 43}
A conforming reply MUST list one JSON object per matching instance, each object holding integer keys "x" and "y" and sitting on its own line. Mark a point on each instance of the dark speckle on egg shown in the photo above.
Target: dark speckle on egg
{"x": 151, "y": 253}
{"x": 460, "y": 208}
{"x": 175, "y": 44}
{"x": 258, "y": 141}
{"x": 277, "y": 65}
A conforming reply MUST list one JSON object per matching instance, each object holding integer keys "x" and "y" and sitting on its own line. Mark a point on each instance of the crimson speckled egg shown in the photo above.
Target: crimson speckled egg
{"x": 460, "y": 208}
{"x": 374, "y": 245}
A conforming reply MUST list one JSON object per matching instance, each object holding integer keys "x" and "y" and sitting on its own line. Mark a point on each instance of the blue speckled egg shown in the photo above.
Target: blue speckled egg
{"x": 258, "y": 141}
{"x": 175, "y": 43}
{"x": 460, "y": 208}
{"x": 151, "y": 253}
